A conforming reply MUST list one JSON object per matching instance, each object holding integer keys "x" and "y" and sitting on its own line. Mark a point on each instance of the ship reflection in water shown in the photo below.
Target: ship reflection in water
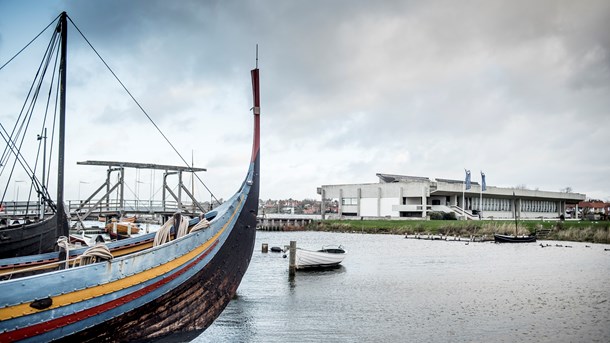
{"x": 390, "y": 289}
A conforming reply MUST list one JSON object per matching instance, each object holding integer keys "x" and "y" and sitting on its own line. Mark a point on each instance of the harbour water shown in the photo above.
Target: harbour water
{"x": 391, "y": 289}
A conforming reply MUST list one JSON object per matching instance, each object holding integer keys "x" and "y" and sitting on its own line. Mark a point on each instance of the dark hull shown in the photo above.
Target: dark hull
{"x": 514, "y": 239}
{"x": 28, "y": 239}
{"x": 196, "y": 303}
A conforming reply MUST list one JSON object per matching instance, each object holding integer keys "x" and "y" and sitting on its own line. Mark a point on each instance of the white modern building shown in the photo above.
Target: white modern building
{"x": 403, "y": 197}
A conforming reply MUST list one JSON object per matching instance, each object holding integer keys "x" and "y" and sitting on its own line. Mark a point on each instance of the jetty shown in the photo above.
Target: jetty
{"x": 450, "y": 238}
{"x": 285, "y": 222}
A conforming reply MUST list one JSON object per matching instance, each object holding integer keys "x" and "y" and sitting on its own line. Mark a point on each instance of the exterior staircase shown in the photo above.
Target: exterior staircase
{"x": 463, "y": 213}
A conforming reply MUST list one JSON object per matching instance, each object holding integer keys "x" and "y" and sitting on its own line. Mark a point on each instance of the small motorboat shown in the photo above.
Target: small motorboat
{"x": 327, "y": 257}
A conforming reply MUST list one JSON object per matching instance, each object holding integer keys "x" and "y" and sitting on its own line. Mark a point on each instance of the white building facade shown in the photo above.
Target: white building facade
{"x": 404, "y": 197}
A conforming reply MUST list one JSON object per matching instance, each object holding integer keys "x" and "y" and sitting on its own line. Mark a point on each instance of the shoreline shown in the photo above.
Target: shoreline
{"x": 576, "y": 231}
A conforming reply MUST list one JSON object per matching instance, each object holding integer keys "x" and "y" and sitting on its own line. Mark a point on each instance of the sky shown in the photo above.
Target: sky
{"x": 517, "y": 89}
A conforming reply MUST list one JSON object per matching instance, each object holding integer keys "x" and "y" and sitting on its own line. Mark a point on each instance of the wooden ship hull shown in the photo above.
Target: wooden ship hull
{"x": 514, "y": 239}
{"x": 28, "y": 239}
{"x": 145, "y": 290}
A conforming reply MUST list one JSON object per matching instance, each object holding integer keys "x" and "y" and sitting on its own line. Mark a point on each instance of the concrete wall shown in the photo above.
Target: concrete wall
{"x": 386, "y": 199}
{"x": 386, "y": 207}
{"x": 368, "y": 207}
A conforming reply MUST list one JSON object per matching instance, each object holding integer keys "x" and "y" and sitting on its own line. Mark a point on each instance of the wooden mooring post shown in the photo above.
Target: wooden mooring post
{"x": 265, "y": 248}
{"x": 292, "y": 259}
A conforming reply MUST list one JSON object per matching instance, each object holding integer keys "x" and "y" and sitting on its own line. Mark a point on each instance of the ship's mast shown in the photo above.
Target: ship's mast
{"x": 62, "y": 228}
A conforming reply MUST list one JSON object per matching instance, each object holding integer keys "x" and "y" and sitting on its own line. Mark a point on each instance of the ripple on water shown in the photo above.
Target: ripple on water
{"x": 390, "y": 289}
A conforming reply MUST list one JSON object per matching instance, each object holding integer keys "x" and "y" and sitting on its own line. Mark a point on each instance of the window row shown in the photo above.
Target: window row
{"x": 538, "y": 206}
{"x": 349, "y": 201}
{"x": 493, "y": 204}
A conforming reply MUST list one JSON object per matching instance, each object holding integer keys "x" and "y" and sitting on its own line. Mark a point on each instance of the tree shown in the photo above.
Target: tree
{"x": 568, "y": 189}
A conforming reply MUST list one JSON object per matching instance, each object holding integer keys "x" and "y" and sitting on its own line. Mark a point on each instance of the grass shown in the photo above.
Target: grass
{"x": 579, "y": 231}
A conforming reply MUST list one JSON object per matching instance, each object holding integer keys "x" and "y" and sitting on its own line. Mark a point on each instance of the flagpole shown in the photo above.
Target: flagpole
{"x": 466, "y": 185}
{"x": 463, "y": 204}
{"x": 481, "y": 199}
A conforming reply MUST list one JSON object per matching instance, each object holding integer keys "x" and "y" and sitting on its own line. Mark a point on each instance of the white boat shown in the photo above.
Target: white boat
{"x": 323, "y": 258}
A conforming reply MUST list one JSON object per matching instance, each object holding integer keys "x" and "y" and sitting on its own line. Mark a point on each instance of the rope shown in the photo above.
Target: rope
{"x": 183, "y": 228}
{"x": 163, "y": 235}
{"x": 140, "y": 107}
{"x": 203, "y": 223}
{"x": 25, "y": 47}
{"x": 97, "y": 252}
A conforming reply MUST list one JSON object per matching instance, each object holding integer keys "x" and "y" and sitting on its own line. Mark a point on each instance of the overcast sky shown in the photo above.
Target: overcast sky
{"x": 517, "y": 89}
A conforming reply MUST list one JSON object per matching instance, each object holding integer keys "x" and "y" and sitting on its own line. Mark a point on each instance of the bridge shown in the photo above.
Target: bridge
{"x": 285, "y": 222}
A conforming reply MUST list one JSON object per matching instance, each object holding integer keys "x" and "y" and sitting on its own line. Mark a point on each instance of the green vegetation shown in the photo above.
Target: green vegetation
{"x": 578, "y": 231}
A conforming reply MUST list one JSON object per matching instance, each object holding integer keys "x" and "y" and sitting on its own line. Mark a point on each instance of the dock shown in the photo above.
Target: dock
{"x": 285, "y": 222}
{"x": 449, "y": 238}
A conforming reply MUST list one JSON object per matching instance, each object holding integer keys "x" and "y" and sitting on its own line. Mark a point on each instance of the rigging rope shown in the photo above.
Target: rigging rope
{"x": 16, "y": 139}
{"x": 26, "y": 46}
{"x": 140, "y": 106}
{"x": 43, "y": 67}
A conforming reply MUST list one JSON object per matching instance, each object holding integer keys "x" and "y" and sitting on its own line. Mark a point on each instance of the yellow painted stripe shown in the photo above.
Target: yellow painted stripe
{"x": 114, "y": 286}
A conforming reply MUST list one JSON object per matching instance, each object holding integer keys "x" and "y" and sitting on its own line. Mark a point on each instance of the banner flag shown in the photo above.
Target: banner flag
{"x": 467, "y": 179}
{"x": 483, "y": 184}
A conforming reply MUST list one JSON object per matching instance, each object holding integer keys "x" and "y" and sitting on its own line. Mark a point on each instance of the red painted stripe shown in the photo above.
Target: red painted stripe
{"x": 53, "y": 324}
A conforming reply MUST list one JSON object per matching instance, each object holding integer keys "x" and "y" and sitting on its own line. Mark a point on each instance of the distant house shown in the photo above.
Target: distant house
{"x": 401, "y": 196}
{"x": 594, "y": 210}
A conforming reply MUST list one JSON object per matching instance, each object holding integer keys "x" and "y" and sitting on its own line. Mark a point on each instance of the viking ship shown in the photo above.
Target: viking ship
{"x": 38, "y": 233}
{"x": 140, "y": 288}
{"x": 498, "y": 238}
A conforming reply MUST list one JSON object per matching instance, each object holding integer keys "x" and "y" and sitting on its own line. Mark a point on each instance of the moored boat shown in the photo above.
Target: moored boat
{"x": 125, "y": 228}
{"x": 498, "y": 238}
{"x": 326, "y": 257}
{"x": 514, "y": 239}
{"x": 171, "y": 281}
{"x": 30, "y": 237}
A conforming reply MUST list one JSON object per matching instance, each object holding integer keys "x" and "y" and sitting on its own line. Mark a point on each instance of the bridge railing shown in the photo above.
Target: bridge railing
{"x": 31, "y": 208}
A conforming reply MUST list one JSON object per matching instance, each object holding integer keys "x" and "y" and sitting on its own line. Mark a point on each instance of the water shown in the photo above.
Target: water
{"x": 391, "y": 289}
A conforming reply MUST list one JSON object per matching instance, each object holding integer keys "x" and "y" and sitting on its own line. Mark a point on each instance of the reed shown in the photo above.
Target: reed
{"x": 578, "y": 231}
